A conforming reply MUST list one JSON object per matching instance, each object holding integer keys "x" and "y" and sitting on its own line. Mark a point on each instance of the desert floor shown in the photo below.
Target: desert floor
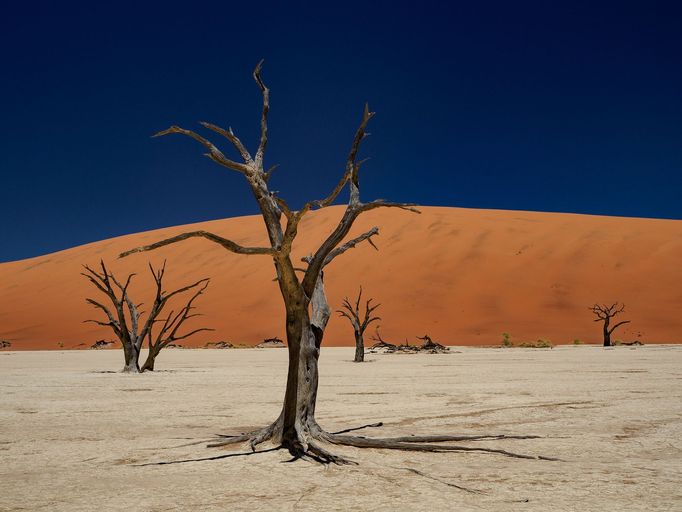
{"x": 75, "y": 435}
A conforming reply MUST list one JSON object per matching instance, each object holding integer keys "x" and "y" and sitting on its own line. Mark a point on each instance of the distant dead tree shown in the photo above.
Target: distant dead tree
{"x": 125, "y": 317}
{"x": 359, "y": 321}
{"x": 296, "y": 428}
{"x": 604, "y": 314}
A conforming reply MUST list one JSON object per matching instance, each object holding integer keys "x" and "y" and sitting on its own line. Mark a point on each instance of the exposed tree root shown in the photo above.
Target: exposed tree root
{"x": 365, "y": 442}
{"x": 445, "y": 439}
{"x": 311, "y": 449}
{"x": 254, "y": 438}
{"x": 319, "y": 454}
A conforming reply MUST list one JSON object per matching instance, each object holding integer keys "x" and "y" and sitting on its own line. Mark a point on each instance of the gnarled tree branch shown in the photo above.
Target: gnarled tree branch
{"x": 224, "y": 242}
{"x": 213, "y": 152}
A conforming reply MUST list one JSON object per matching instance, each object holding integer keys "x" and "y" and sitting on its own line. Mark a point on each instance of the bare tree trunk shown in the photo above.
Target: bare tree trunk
{"x": 151, "y": 359}
{"x": 359, "y": 347}
{"x": 607, "y": 334}
{"x": 132, "y": 358}
{"x": 302, "y": 383}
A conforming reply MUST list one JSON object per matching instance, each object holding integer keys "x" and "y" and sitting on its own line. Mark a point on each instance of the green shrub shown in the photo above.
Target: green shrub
{"x": 577, "y": 342}
{"x": 506, "y": 340}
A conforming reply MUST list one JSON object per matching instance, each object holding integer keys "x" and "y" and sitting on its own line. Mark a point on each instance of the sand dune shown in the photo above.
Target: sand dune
{"x": 463, "y": 276}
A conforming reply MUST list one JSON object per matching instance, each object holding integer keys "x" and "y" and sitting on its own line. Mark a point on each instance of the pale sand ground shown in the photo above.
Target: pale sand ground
{"x": 71, "y": 435}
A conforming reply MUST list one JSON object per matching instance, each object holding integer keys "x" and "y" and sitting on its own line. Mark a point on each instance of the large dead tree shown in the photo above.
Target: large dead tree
{"x": 604, "y": 314}
{"x": 359, "y": 321}
{"x": 307, "y": 311}
{"x": 125, "y": 316}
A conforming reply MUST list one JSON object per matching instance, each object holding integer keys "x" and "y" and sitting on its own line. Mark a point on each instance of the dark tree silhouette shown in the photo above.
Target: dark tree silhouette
{"x": 307, "y": 312}
{"x": 359, "y": 322}
{"x": 604, "y": 314}
{"x": 125, "y": 318}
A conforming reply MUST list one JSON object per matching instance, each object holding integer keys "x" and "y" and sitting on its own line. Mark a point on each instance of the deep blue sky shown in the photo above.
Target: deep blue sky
{"x": 552, "y": 106}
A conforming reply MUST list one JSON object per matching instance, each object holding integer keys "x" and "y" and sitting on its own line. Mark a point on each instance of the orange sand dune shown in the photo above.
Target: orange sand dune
{"x": 462, "y": 276}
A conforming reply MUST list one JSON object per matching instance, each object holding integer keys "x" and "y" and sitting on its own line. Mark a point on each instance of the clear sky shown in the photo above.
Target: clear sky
{"x": 552, "y": 106}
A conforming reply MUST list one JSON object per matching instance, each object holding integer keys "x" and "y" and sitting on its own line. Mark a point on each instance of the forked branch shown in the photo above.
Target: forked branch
{"x": 126, "y": 326}
{"x": 213, "y": 152}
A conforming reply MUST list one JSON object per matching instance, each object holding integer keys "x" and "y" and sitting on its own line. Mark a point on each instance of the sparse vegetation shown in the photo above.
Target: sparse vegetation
{"x": 627, "y": 343}
{"x": 537, "y": 344}
{"x": 5, "y": 344}
{"x": 506, "y": 340}
{"x": 577, "y": 342}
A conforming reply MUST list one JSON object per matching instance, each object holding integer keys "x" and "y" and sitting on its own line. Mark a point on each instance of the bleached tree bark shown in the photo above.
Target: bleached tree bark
{"x": 304, "y": 301}
{"x": 125, "y": 318}
{"x": 359, "y": 322}
{"x": 604, "y": 314}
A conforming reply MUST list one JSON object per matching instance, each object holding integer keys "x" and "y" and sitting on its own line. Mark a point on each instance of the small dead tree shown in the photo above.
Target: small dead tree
{"x": 169, "y": 332}
{"x": 125, "y": 318}
{"x": 359, "y": 321}
{"x": 604, "y": 314}
{"x": 307, "y": 312}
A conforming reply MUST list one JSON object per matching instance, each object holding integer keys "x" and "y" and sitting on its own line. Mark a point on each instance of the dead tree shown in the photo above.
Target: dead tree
{"x": 125, "y": 318}
{"x": 307, "y": 312}
{"x": 431, "y": 346}
{"x": 380, "y": 343}
{"x": 169, "y": 332}
{"x": 604, "y": 314}
{"x": 352, "y": 313}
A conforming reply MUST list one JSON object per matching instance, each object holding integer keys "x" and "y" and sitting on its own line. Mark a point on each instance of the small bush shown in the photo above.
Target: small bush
{"x": 577, "y": 342}
{"x": 506, "y": 340}
{"x": 538, "y": 344}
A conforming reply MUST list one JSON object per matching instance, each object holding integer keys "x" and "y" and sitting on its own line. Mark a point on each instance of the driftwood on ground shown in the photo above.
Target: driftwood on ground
{"x": 219, "y": 344}
{"x": 428, "y": 346}
{"x": 271, "y": 343}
